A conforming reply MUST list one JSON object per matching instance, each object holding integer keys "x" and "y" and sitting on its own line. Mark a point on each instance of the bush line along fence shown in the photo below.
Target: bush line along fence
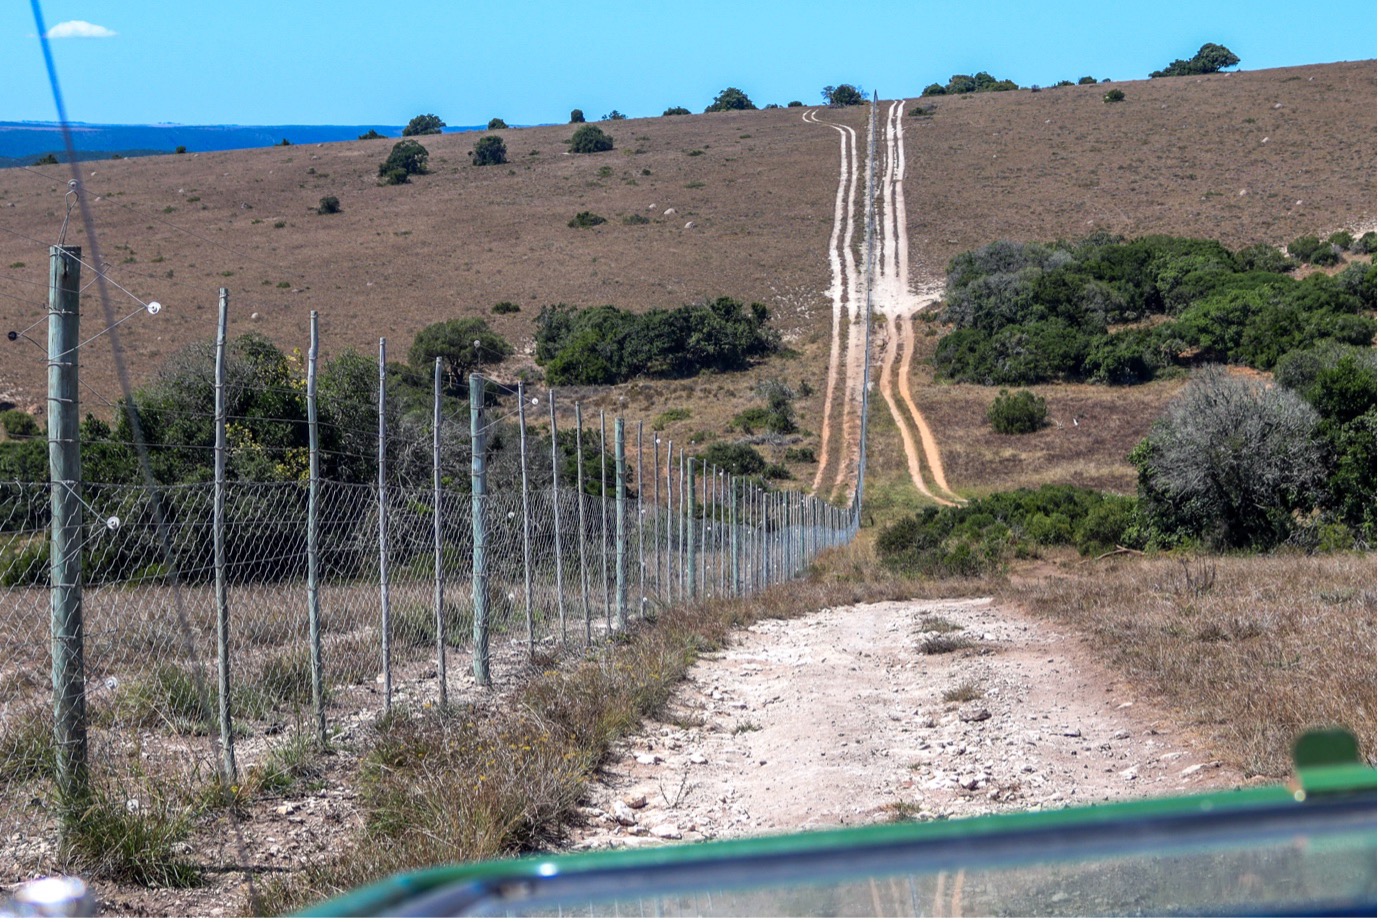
{"x": 320, "y": 603}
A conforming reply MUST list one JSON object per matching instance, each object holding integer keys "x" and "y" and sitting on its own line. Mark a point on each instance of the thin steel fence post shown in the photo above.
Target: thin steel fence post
{"x": 527, "y": 520}
{"x": 227, "y": 729}
{"x": 438, "y": 562}
{"x": 479, "y": 551}
{"x": 580, "y": 509}
{"x": 556, "y": 517}
{"x": 620, "y": 530}
{"x": 385, "y": 612}
{"x": 313, "y": 550}
{"x": 604, "y": 523}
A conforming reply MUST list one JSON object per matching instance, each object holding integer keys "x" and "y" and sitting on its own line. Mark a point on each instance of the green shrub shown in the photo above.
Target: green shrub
{"x": 497, "y": 124}
{"x": 677, "y": 110}
{"x": 800, "y": 456}
{"x": 1017, "y": 413}
{"x": 635, "y": 219}
{"x": 1365, "y": 243}
{"x": 1310, "y": 249}
{"x": 463, "y": 345}
{"x": 489, "y": 150}
{"x": 408, "y": 158}
{"x": 423, "y": 124}
{"x": 585, "y": 219}
{"x": 329, "y": 205}
{"x": 577, "y": 117}
{"x": 505, "y": 307}
{"x": 1114, "y": 96}
{"x": 1340, "y": 239}
{"x": 842, "y": 95}
{"x": 134, "y": 846}
{"x": 370, "y": 135}
{"x": 1209, "y": 59}
{"x": 590, "y": 139}
{"x": 729, "y": 99}
{"x": 1087, "y": 81}
{"x": 19, "y": 425}
{"x": 736, "y": 458}
{"x": 662, "y": 420}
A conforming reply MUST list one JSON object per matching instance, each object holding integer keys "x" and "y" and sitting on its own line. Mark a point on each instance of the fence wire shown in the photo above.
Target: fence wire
{"x": 402, "y": 608}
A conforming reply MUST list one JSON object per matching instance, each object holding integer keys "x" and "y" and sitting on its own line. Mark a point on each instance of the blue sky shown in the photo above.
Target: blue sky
{"x": 532, "y": 61}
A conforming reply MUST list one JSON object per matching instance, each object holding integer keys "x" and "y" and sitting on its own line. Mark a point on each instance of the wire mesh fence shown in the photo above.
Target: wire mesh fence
{"x": 222, "y": 617}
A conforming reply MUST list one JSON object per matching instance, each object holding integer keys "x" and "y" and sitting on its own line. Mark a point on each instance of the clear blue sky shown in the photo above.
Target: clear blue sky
{"x": 532, "y": 61}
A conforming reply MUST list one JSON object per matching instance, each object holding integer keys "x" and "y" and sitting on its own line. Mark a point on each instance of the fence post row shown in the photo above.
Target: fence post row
{"x": 604, "y": 523}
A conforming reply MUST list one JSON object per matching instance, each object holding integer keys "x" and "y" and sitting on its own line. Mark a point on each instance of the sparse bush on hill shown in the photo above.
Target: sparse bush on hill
{"x": 1114, "y": 96}
{"x": 497, "y": 124}
{"x": 959, "y": 84}
{"x": 1019, "y": 413}
{"x": 734, "y": 458}
{"x": 505, "y": 307}
{"x": 423, "y": 124}
{"x": 729, "y": 99}
{"x": 1365, "y": 243}
{"x": 676, "y": 110}
{"x": 795, "y": 104}
{"x": 666, "y": 418}
{"x": 408, "y": 158}
{"x": 586, "y": 219}
{"x": 370, "y": 135}
{"x": 577, "y": 117}
{"x": 614, "y": 115}
{"x": 606, "y": 345}
{"x": 490, "y": 150}
{"x": 1310, "y": 249}
{"x": 1210, "y": 59}
{"x": 843, "y": 95}
{"x": 590, "y": 139}
{"x": 19, "y": 425}
{"x": 1086, "y": 81}
{"x": 329, "y": 204}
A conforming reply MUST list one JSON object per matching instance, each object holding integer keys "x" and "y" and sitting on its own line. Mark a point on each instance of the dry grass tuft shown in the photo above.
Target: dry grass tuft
{"x": 942, "y": 643}
{"x": 968, "y": 691}
{"x": 1250, "y": 650}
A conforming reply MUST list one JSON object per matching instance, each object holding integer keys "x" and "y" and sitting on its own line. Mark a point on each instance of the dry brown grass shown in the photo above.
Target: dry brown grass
{"x": 1250, "y": 651}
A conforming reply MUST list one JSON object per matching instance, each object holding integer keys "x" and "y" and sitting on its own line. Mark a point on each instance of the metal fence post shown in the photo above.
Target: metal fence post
{"x": 313, "y": 551}
{"x": 604, "y": 523}
{"x": 65, "y": 562}
{"x": 692, "y": 560}
{"x": 656, "y": 516}
{"x": 556, "y": 517}
{"x": 642, "y": 526}
{"x": 734, "y": 537}
{"x": 218, "y": 544}
{"x": 620, "y": 530}
{"x": 671, "y": 521}
{"x": 385, "y": 615}
{"x": 527, "y": 520}
{"x": 580, "y": 509}
{"x": 438, "y": 563}
{"x": 479, "y": 556}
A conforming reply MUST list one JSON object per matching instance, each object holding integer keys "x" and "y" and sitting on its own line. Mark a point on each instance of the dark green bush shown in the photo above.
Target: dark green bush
{"x": 577, "y": 117}
{"x": 1209, "y": 59}
{"x": 370, "y": 135}
{"x": 586, "y": 219}
{"x": 1114, "y": 95}
{"x": 1310, "y": 249}
{"x": 729, "y": 99}
{"x": 464, "y": 345}
{"x": 1018, "y": 413}
{"x": 489, "y": 150}
{"x": 735, "y": 458}
{"x": 423, "y": 124}
{"x": 329, "y": 205}
{"x": 408, "y": 158}
{"x": 676, "y": 110}
{"x": 1365, "y": 243}
{"x": 497, "y": 124}
{"x": 19, "y": 425}
{"x": 843, "y": 95}
{"x": 505, "y": 307}
{"x": 589, "y": 139}
{"x": 636, "y": 219}
{"x": 800, "y": 456}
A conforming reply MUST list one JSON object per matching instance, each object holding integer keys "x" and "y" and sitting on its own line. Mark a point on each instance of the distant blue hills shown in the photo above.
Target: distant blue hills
{"x": 23, "y": 143}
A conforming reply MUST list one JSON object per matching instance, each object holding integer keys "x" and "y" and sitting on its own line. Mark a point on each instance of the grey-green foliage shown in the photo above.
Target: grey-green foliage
{"x": 1234, "y": 462}
{"x": 589, "y": 139}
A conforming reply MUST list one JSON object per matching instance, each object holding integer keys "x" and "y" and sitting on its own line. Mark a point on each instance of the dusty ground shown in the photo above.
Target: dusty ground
{"x": 838, "y": 719}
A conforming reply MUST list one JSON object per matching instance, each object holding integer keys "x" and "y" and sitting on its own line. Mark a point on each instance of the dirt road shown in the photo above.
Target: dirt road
{"x": 839, "y": 718}
{"x": 896, "y": 300}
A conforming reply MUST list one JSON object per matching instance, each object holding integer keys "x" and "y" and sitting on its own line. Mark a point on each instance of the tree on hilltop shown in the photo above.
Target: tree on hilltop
{"x": 731, "y": 98}
{"x": 423, "y": 124}
{"x": 1210, "y": 60}
{"x": 843, "y": 95}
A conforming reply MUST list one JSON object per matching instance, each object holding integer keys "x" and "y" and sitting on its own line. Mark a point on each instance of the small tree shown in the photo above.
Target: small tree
{"x": 589, "y": 139}
{"x": 677, "y": 110}
{"x": 842, "y": 95}
{"x": 1087, "y": 81}
{"x": 407, "y": 158}
{"x": 423, "y": 124}
{"x": 795, "y": 104}
{"x": 329, "y": 205}
{"x": 489, "y": 151}
{"x": 614, "y": 116}
{"x": 577, "y": 117}
{"x": 1210, "y": 59}
{"x": 1016, "y": 414}
{"x": 463, "y": 345}
{"x": 730, "y": 98}
{"x": 1114, "y": 96}
{"x": 370, "y": 135}
{"x": 496, "y": 124}
{"x": 1232, "y": 462}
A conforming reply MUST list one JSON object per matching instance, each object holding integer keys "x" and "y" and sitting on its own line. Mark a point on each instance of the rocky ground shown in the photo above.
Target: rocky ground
{"x": 841, "y": 718}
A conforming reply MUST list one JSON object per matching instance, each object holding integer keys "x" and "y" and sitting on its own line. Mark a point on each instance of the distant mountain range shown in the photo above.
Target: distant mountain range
{"x": 23, "y": 143}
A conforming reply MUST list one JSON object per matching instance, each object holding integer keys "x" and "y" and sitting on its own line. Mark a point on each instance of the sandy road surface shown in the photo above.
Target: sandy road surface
{"x": 837, "y": 718}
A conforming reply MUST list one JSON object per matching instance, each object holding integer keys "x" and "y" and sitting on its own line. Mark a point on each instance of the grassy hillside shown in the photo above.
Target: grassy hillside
{"x": 1244, "y": 157}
